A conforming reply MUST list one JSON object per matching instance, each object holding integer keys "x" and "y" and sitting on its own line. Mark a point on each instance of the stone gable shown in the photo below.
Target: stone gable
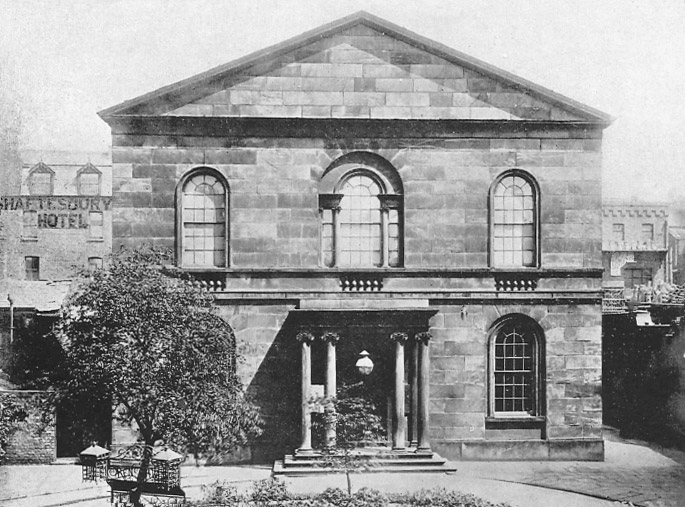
{"x": 363, "y": 73}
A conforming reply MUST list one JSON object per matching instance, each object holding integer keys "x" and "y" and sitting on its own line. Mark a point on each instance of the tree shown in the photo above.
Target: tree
{"x": 142, "y": 334}
{"x": 357, "y": 425}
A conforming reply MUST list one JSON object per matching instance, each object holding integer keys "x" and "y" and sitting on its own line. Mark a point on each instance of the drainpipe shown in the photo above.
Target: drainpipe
{"x": 9, "y": 298}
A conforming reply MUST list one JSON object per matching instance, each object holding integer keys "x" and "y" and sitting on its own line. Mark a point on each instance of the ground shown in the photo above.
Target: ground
{"x": 633, "y": 472}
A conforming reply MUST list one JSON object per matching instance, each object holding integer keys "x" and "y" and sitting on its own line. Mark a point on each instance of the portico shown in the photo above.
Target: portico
{"x": 408, "y": 367}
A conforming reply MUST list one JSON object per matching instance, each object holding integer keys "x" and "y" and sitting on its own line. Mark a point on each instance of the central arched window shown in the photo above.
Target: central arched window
{"x": 514, "y": 221}
{"x": 361, "y": 213}
{"x": 515, "y": 368}
{"x": 361, "y": 232}
{"x": 203, "y": 219}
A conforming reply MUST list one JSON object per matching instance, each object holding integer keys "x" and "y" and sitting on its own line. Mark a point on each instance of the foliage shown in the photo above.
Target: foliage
{"x": 11, "y": 413}
{"x": 222, "y": 493}
{"x": 142, "y": 334}
{"x": 440, "y": 497}
{"x": 273, "y": 493}
{"x": 357, "y": 425}
{"x": 36, "y": 356}
{"x": 269, "y": 490}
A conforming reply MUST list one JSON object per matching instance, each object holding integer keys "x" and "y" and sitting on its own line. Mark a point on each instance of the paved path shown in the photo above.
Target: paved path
{"x": 630, "y": 473}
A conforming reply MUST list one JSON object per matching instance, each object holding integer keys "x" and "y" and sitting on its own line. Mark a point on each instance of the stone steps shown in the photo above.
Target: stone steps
{"x": 387, "y": 461}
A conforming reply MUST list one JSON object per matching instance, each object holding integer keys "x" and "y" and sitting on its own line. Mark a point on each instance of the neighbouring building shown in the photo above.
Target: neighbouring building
{"x": 635, "y": 248}
{"x": 363, "y": 188}
{"x": 55, "y": 218}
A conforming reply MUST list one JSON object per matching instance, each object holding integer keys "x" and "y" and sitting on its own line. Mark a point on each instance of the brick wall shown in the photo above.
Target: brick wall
{"x": 32, "y": 441}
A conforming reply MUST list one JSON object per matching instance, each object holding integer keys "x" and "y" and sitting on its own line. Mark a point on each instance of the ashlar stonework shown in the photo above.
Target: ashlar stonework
{"x": 480, "y": 230}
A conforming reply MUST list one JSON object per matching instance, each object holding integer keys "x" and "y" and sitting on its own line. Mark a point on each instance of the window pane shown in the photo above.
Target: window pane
{"x": 513, "y": 223}
{"x": 32, "y": 268}
{"x": 204, "y": 221}
{"x": 514, "y": 370}
{"x": 96, "y": 224}
{"x": 89, "y": 183}
{"x": 40, "y": 183}
{"x": 360, "y": 222}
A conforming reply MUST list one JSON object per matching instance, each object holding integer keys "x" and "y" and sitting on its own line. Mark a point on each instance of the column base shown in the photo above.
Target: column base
{"x": 424, "y": 450}
{"x": 399, "y": 448}
{"x": 304, "y": 451}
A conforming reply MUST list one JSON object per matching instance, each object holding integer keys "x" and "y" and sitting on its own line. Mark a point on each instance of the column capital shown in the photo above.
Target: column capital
{"x": 399, "y": 337}
{"x": 423, "y": 337}
{"x": 330, "y": 337}
{"x": 304, "y": 337}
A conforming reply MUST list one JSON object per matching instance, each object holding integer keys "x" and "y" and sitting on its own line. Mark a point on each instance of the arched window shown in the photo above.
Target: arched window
{"x": 516, "y": 350}
{"x": 514, "y": 204}
{"x": 361, "y": 213}
{"x": 203, "y": 220}
{"x": 41, "y": 180}
{"x": 88, "y": 180}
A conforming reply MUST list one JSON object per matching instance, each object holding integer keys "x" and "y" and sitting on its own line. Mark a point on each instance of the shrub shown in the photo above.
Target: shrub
{"x": 441, "y": 497}
{"x": 220, "y": 492}
{"x": 335, "y": 496}
{"x": 367, "y": 497}
{"x": 269, "y": 490}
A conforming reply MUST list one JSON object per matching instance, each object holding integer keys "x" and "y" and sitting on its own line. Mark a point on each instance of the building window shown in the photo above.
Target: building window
{"x": 30, "y": 225}
{"x": 32, "y": 268}
{"x": 41, "y": 180}
{"x": 634, "y": 277}
{"x": 618, "y": 232}
{"x": 94, "y": 263}
{"x": 203, "y": 210}
{"x": 514, "y": 221}
{"x": 515, "y": 364}
{"x": 361, "y": 213}
{"x": 88, "y": 180}
{"x": 647, "y": 232}
{"x": 96, "y": 223}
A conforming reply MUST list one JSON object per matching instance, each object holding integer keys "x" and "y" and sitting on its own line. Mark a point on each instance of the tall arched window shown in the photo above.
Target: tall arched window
{"x": 514, "y": 221}
{"x": 361, "y": 230}
{"x": 203, "y": 220}
{"x": 361, "y": 213}
{"x": 516, "y": 367}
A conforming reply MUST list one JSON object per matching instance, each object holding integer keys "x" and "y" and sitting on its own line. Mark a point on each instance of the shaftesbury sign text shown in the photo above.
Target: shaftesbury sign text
{"x": 57, "y": 211}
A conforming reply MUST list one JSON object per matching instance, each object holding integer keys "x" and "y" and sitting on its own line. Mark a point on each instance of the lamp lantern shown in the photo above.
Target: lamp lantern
{"x": 94, "y": 462}
{"x": 364, "y": 363}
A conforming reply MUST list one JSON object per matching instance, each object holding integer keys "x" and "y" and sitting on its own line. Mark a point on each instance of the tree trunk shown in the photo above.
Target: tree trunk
{"x": 142, "y": 475}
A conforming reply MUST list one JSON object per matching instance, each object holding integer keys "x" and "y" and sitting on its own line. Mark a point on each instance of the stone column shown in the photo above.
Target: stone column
{"x": 414, "y": 393}
{"x": 385, "y": 242}
{"x": 422, "y": 340}
{"x": 337, "y": 239}
{"x": 399, "y": 423}
{"x": 331, "y": 386}
{"x": 305, "y": 338}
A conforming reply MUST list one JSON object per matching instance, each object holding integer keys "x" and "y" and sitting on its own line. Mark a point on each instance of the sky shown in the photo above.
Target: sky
{"x": 62, "y": 61}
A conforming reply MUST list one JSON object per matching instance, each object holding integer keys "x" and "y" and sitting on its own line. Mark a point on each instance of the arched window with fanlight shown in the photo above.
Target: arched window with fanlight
{"x": 361, "y": 213}
{"x": 514, "y": 221}
{"x": 203, "y": 220}
{"x": 516, "y": 359}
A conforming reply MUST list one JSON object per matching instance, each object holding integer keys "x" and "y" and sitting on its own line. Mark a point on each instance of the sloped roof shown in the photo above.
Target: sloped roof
{"x": 514, "y": 98}
{"x": 43, "y": 296}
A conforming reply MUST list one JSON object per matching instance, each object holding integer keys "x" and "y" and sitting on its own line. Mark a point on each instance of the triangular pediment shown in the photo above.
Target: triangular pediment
{"x": 359, "y": 67}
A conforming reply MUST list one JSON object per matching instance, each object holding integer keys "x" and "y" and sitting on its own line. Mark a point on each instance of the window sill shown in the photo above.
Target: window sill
{"x": 523, "y": 422}
{"x": 29, "y": 239}
{"x": 96, "y": 240}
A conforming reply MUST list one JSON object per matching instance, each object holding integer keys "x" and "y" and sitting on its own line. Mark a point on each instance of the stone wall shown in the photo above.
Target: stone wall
{"x": 273, "y": 205}
{"x": 459, "y": 385}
